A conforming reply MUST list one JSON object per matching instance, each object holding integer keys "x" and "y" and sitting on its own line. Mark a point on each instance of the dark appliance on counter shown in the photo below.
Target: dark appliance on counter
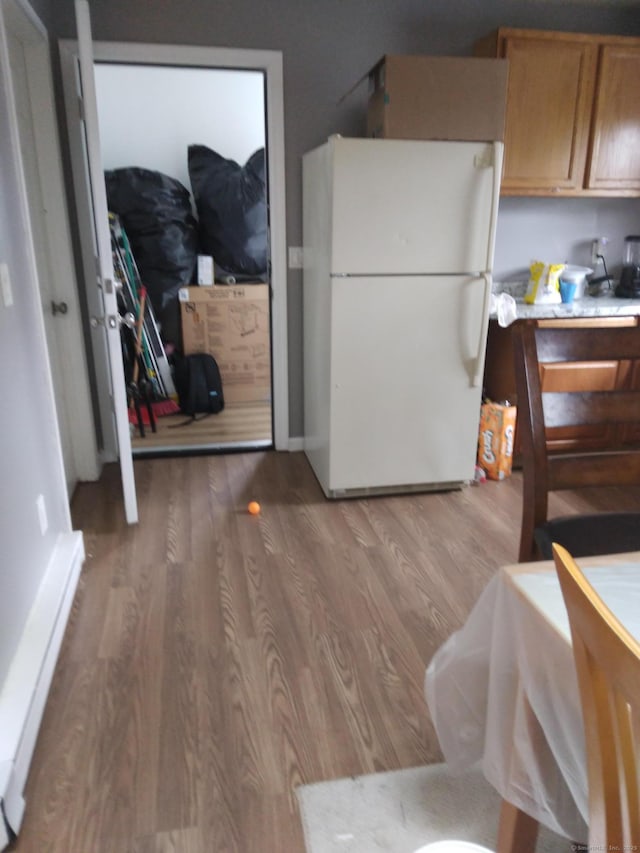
{"x": 629, "y": 286}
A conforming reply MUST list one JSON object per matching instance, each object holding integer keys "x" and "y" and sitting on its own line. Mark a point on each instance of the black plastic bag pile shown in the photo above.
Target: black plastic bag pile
{"x": 231, "y": 202}
{"x": 155, "y": 211}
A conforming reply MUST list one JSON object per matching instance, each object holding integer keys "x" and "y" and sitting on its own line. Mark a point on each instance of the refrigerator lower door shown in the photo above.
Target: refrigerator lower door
{"x": 406, "y": 354}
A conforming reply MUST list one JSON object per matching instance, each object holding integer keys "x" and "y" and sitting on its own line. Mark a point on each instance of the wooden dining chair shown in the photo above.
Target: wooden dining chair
{"x": 607, "y": 659}
{"x": 613, "y": 462}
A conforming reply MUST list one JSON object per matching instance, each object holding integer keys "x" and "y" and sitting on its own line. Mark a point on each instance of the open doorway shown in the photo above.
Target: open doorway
{"x": 157, "y": 124}
{"x": 268, "y": 64}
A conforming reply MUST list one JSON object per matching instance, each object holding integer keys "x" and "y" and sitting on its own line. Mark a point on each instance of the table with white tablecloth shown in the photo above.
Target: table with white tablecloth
{"x": 503, "y": 690}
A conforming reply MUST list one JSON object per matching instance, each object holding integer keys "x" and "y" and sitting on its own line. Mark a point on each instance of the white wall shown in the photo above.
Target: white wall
{"x": 150, "y": 115}
{"x": 40, "y": 556}
{"x": 556, "y": 230}
{"x": 30, "y": 453}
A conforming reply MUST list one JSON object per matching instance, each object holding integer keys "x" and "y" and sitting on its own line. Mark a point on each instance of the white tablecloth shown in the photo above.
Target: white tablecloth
{"x": 503, "y": 689}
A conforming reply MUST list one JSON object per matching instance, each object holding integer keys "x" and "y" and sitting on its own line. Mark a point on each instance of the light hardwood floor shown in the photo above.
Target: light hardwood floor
{"x": 236, "y": 424}
{"x": 216, "y": 660}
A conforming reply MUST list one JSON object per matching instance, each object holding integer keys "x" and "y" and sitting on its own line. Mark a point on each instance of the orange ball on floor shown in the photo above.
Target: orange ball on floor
{"x": 254, "y": 507}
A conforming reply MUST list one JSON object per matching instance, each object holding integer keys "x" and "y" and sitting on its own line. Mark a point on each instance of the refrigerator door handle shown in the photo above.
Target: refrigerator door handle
{"x": 497, "y": 152}
{"x": 482, "y": 339}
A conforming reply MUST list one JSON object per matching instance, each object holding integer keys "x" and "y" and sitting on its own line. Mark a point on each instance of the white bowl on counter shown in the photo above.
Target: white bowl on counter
{"x": 577, "y": 275}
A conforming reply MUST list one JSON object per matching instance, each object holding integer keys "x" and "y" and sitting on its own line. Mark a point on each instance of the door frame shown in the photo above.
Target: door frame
{"x": 82, "y": 464}
{"x": 270, "y": 63}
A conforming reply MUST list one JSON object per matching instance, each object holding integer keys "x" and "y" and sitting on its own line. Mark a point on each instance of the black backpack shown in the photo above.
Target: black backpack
{"x": 198, "y": 383}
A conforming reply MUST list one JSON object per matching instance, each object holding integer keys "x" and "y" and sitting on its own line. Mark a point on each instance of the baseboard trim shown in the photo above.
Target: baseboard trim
{"x": 296, "y": 443}
{"x": 24, "y": 692}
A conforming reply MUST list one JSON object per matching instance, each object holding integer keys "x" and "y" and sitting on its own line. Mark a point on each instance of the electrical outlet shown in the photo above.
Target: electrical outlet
{"x": 5, "y": 286}
{"x": 296, "y": 257}
{"x": 597, "y": 249}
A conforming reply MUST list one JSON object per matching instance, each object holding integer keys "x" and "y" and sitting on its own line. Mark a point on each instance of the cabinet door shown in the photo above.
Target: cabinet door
{"x": 551, "y": 84}
{"x": 615, "y": 141}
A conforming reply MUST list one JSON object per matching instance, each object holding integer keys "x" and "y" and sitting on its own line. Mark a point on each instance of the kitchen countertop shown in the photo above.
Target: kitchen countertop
{"x": 587, "y": 306}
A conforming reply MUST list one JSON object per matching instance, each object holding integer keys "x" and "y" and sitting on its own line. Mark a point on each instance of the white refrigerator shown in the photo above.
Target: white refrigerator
{"x": 398, "y": 241}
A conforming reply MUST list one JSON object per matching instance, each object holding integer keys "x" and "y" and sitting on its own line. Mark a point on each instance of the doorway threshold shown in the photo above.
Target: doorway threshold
{"x": 202, "y": 449}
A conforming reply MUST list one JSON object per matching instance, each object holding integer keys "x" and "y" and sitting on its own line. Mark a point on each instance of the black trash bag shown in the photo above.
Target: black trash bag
{"x": 155, "y": 212}
{"x": 232, "y": 208}
{"x": 223, "y": 276}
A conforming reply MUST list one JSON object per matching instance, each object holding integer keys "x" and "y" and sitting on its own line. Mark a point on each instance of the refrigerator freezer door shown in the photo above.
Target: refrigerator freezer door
{"x": 404, "y": 406}
{"x": 412, "y": 207}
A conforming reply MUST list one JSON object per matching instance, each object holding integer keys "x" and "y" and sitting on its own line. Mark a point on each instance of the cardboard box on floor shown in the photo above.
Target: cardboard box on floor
{"x": 495, "y": 439}
{"x": 231, "y": 322}
{"x": 438, "y": 97}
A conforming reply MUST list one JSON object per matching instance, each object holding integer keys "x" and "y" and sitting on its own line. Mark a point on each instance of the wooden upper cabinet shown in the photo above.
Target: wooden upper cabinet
{"x": 551, "y": 85}
{"x": 615, "y": 145}
{"x": 573, "y": 112}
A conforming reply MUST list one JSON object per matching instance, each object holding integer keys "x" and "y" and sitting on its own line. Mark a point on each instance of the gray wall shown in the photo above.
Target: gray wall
{"x": 42, "y": 8}
{"x": 327, "y": 46}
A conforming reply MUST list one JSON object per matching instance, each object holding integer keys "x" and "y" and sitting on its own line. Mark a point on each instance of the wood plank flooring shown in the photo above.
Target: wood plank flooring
{"x": 216, "y": 660}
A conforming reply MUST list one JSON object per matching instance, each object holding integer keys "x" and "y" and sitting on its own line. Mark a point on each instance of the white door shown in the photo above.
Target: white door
{"x": 32, "y": 88}
{"x": 413, "y": 207}
{"x": 37, "y": 207}
{"x": 101, "y": 294}
{"x": 406, "y": 356}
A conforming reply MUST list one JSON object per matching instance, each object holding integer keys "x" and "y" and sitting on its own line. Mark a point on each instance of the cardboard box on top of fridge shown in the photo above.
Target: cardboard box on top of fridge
{"x": 231, "y": 322}
{"x": 438, "y": 97}
{"x": 495, "y": 439}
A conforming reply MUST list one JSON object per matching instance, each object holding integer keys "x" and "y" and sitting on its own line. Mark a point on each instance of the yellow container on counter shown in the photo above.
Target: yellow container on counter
{"x": 544, "y": 283}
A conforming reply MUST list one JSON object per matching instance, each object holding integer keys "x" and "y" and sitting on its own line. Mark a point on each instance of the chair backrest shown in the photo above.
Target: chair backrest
{"x": 544, "y": 472}
{"x": 607, "y": 662}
